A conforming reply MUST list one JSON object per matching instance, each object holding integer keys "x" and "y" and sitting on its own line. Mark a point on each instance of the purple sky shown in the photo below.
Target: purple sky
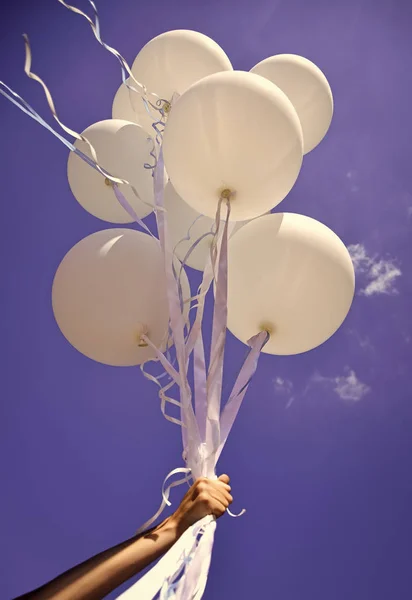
{"x": 321, "y": 452}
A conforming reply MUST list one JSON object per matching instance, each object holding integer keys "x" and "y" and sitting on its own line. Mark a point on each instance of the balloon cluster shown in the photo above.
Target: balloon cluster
{"x": 241, "y": 132}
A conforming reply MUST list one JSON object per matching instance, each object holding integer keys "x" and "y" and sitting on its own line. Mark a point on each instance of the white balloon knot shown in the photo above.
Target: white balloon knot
{"x": 142, "y": 340}
{"x": 227, "y": 193}
{"x": 268, "y": 327}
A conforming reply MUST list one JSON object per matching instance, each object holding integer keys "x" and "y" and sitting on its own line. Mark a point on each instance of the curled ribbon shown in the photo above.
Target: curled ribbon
{"x": 159, "y": 103}
{"x": 24, "y": 106}
{"x": 165, "y": 495}
{"x": 141, "y": 88}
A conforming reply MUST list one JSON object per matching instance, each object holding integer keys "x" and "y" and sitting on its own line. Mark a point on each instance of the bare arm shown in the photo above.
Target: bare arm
{"x": 101, "y": 574}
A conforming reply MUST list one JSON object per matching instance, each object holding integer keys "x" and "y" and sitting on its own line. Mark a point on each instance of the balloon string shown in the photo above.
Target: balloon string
{"x": 188, "y": 237}
{"x": 163, "y": 389}
{"x": 160, "y": 103}
{"x": 215, "y": 372}
{"x": 190, "y": 434}
{"x": 25, "y": 107}
{"x": 164, "y": 361}
{"x": 208, "y": 277}
{"x": 163, "y": 397}
{"x": 200, "y": 296}
{"x": 142, "y": 90}
{"x": 50, "y": 102}
{"x": 244, "y": 377}
{"x": 152, "y": 153}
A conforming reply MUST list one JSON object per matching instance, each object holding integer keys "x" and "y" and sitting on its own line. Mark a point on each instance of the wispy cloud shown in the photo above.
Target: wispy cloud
{"x": 348, "y": 387}
{"x": 361, "y": 261}
{"x": 380, "y": 274}
{"x": 363, "y": 341}
{"x": 352, "y": 176}
{"x": 284, "y": 387}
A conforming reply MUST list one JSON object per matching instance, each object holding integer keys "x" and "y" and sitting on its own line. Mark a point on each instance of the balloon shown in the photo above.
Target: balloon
{"x": 169, "y": 63}
{"x": 183, "y": 222}
{"x": 122, "y": 149}
{"x": 291, "y": 275}
{"x": 308, "y": 90}
{"x": 128, "y": 105}
{"x": 108, "y": 290}
{"x": 235, "y": 131}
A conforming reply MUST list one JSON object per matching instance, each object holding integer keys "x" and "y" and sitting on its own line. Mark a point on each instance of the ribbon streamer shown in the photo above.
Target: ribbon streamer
{"x": 242, "y": 382}
{"x": 190, "y": 433}
{"x": 142, "y": 90}
{"x": 215, "y": 374}
{"x": 165, "y": 496}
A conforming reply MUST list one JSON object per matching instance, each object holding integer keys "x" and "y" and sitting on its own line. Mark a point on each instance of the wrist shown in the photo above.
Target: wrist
{"x": 176, "y": 524}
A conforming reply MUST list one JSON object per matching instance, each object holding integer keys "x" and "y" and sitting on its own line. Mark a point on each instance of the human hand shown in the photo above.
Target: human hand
{"x": 205, "y": 497}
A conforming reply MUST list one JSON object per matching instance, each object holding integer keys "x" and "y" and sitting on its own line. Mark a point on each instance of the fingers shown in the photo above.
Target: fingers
{"x": 212, "y": 505}
{"x": 204, "y": 484}
{"x": 218, "y": 509}
{"x": 224, "y": 490}
{"x": 205, "y": 497}
{"x": 224, "y": 478}
{"x": 222, "y": 486}
{"x": 213, "y": 495}
{"x": 220, "y": 495}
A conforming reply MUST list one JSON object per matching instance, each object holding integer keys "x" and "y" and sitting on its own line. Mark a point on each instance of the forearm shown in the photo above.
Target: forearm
{"x": 98, "y": 576}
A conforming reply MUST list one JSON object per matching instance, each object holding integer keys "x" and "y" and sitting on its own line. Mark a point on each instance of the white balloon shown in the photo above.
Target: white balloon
{"x": 183, "y": 222}
{"x": 128, "y": 105}
{"x": 308, "y": 90}
{"x": 238, "y": 131}
{"x": 108, "y": 290}
{"x": 122, "y": 149}
{"x": 291, "y": 275}
{"x": 169, "y": 63}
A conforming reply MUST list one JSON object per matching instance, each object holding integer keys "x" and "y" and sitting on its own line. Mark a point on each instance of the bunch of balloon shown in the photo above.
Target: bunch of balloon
{"x": 212, "y": 151}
